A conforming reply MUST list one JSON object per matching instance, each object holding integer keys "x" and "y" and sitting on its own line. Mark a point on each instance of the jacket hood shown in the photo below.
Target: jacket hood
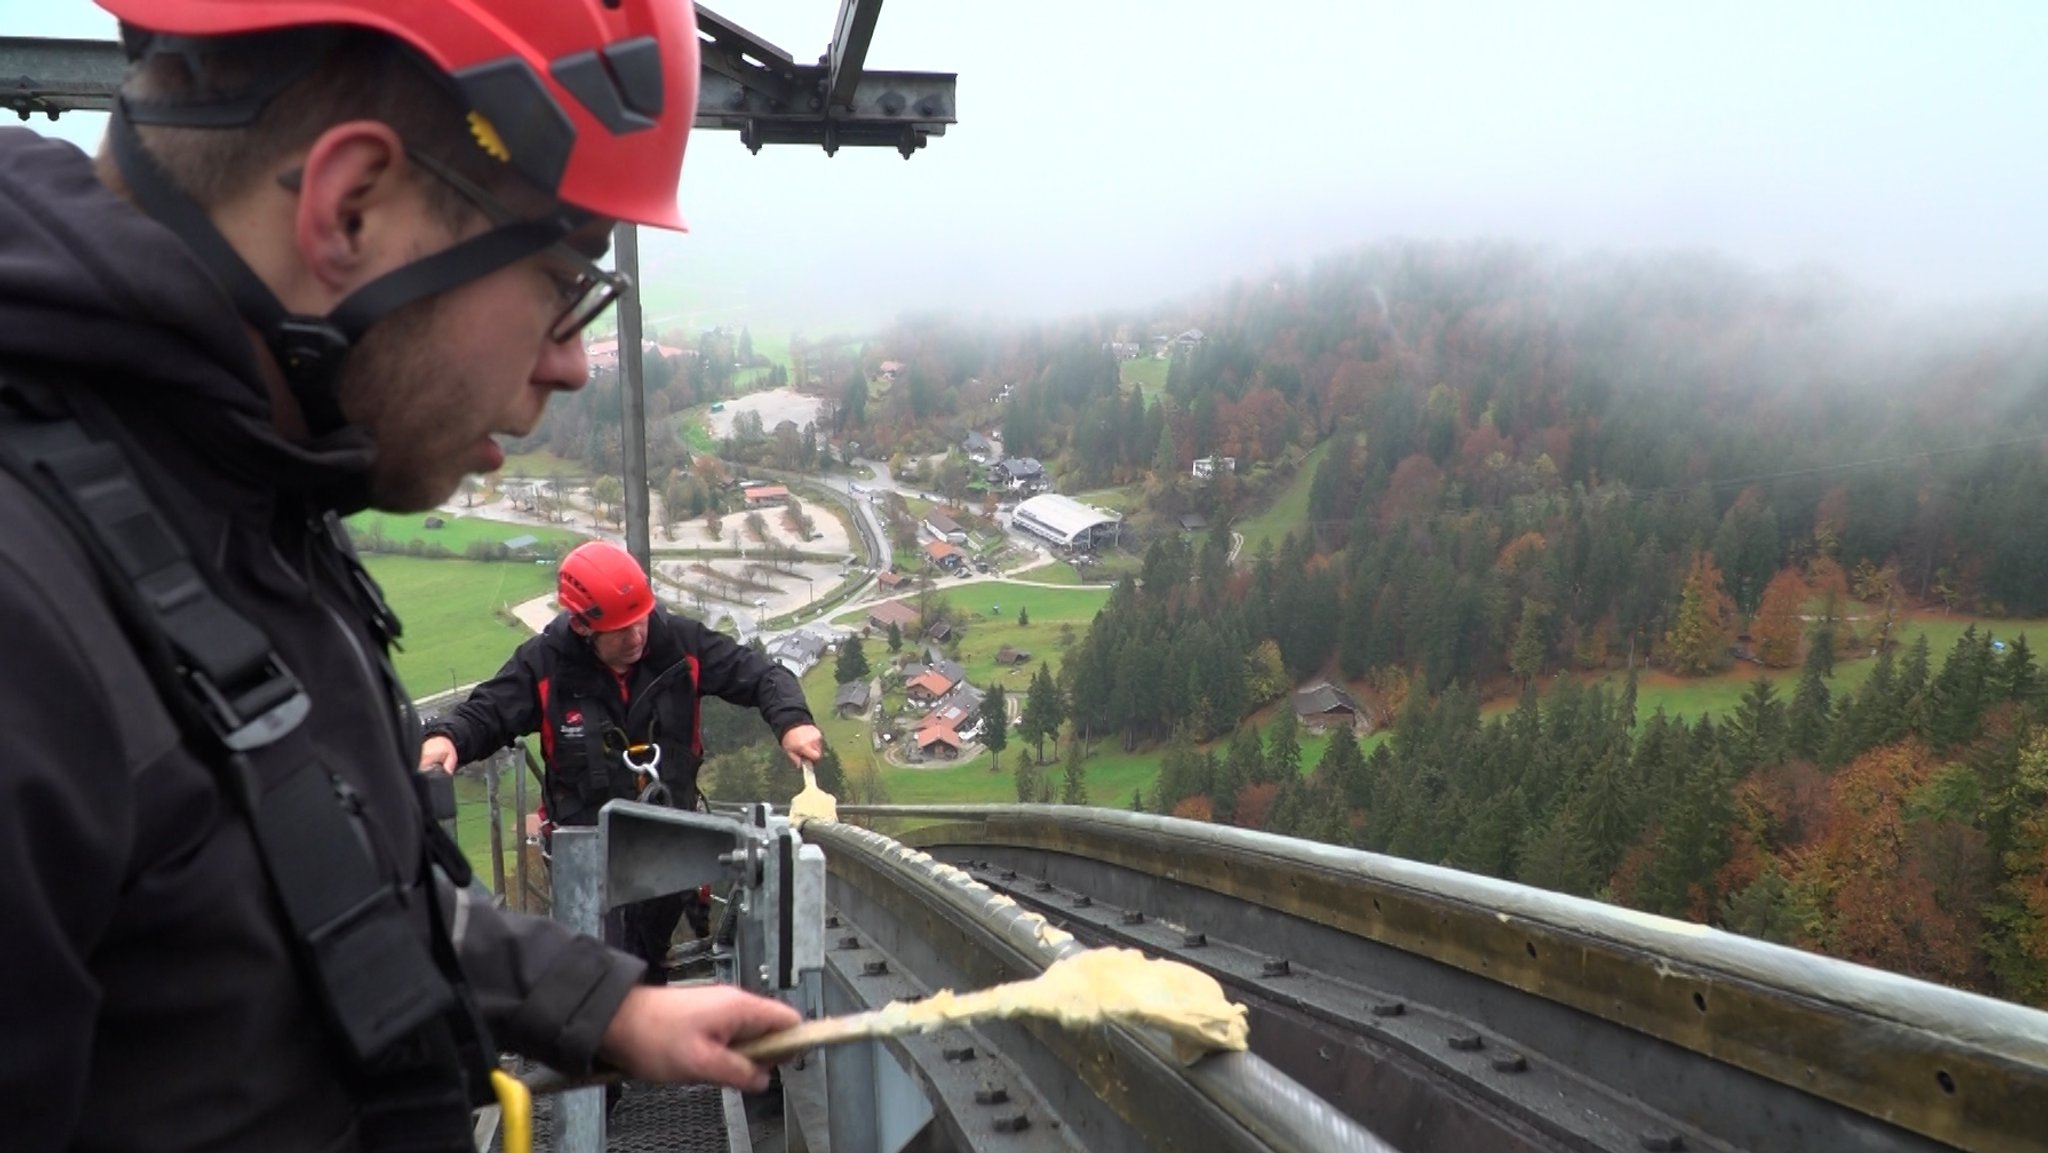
{"x": 94, "y": 292}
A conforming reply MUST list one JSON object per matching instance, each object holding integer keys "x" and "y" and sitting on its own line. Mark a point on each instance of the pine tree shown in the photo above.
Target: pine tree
{"x": 1074, "y": 789}
{"x": 1023, "y": 617}
{"x": 1042, "y": 710}
{"x": 1243, "y": 765}
{"x": 1283, "y": 748}
{"x": 1956, "y": 699}
{"x": 1807, "y": 725}
{"x": 1694, "y": 843}
{"x": 2017, "y": 676}
{"x": 1027, "y": 775}
{"x": 1343, "y": 767}
{"x": 1758, "y": 729}
{"x": 895, "y": 637}
{"x": 1699, "y": 638}
{"x": 1526, "y": 656}
{"x": 852, "y": 664}
{"x": 1908, "y": 702}
{"x": 995, "y": 725}
{"x": 1821, "y": 653}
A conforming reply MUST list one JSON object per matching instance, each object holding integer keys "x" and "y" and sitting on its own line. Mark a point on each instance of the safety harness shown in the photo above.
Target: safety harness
{"x": 406, "y": 1024}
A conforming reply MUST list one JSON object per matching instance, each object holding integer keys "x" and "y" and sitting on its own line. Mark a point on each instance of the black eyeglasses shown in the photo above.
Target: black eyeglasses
{"x": 584, "y": 299}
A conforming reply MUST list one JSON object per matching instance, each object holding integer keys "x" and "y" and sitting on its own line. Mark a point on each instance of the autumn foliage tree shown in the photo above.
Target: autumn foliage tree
{"x": 1699, "y": 638}
{"x": 1777, "y": 627}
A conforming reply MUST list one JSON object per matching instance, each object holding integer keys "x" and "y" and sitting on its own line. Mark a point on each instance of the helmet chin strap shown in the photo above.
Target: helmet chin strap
{"x": 311, "y": 350}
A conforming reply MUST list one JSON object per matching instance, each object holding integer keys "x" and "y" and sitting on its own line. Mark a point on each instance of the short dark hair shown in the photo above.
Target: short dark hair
{"x": 343, "y": 74}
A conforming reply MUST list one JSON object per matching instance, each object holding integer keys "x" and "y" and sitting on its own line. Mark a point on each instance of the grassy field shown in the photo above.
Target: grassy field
{"x": 1691, "y": 697}
{"x": 1146, "y": 374}
{"x": 542, "y": 463}
{"x": 988, "y": 613}
{"x": 457, "y": 533}
{"x": 1288, "y": 511}
{"x": 452, "y": 631}
{"x": 1124, "y": 499}
{"x": 473, "y": 824}
{"x": 695, "y": 434}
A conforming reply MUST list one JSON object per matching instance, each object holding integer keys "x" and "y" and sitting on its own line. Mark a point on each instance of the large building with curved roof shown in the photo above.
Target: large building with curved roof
{"x": 1064, "y": 521}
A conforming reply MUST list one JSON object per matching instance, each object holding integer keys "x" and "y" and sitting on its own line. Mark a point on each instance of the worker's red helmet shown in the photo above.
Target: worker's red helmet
{"x": 602, "y": 586}
{"x": 591, "y": 100}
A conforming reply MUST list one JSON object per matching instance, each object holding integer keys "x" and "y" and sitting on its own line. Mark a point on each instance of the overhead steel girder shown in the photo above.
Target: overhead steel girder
{"x": 746, "y": 85}
{"x": 850, "y": 39}
{"x": 58, "y": 76}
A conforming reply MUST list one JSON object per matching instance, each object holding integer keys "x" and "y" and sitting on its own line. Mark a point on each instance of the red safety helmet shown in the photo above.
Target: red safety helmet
{"x": 601, "y": 585}
{"x": 592, "y": 100}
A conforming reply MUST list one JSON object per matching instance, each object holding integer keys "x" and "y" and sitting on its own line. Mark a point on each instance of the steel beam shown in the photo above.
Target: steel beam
{"x": 746, "y": 85}
{"x": 58, "y": 76}
{"x": 850, "y": 39}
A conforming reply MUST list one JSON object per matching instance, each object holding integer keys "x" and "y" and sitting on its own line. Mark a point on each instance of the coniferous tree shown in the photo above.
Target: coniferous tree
{"x": 1757, "y": 730}
{"x": 1027, "y": 775}
{"x": 1023, "y": 616}
{"x": 995, "y": 725}
{"x": 1043, "y": 712}
{"x": 1699, "y": 638}
{"x": 1283, "y": 748}
{"x": 895, "y": 637}
{"x": 852, "y": 664}
{"x": 2016, "y": 675}
{"x": 1074, "y": 786}
{"x": 1820, "y": 650}
{"x": 1807, "y": 725}
{"x": 1343, "y": 766}
{"x": 1909, "y": 702}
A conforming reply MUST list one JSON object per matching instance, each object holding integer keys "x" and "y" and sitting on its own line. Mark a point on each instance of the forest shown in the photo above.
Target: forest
{"x": 1523, "y": 469}
{"x": 1538, "y": 468}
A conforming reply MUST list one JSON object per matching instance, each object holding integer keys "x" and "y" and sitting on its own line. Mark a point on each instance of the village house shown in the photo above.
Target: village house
{"x": 886, "y": 613}
{"x": 945, "y": 528}
{"x": 1324, "y": 706}
{"x": 939, "y": 741}
{"x": 851, "y": 700}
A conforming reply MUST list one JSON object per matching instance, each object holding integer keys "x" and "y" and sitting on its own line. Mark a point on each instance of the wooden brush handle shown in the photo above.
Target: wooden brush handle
{"x": 810, "y": 1035}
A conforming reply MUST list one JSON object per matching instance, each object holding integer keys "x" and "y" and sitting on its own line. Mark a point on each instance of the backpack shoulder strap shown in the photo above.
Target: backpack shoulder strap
{"x": 243, "y": 710}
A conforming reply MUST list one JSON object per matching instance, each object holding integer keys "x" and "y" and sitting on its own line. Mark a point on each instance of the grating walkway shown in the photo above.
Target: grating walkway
{"x": 649, "y": 1119}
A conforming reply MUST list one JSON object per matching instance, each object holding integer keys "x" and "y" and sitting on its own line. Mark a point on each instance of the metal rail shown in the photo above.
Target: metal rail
{"x": 1685, "y": 1037}
{"x": 928, "y": 926}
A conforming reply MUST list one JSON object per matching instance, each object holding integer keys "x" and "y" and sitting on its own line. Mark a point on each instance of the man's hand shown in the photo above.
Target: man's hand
{"x": 687, "y": 1034}
{"x": 438, "y": 752}
{"x": 804, "y": 743}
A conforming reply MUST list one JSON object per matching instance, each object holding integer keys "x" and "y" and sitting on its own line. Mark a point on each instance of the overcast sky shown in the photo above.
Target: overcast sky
{"x": 1119, "y": 154}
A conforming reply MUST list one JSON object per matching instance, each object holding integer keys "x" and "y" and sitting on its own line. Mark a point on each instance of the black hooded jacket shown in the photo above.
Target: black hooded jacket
{"x": 555, "y": 686}
{"x": 148, "y": 995}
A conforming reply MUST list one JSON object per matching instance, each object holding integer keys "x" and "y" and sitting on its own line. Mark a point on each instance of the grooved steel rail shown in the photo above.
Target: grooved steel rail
{"x": 1443, "y": 1010}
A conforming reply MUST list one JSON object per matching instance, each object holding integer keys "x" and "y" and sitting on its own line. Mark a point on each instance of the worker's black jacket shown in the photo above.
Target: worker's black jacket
{"x": 148, "y": 995}
{"x": 555, "y": 686}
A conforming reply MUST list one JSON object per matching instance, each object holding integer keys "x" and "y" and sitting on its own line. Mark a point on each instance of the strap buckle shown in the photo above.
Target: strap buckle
{"x": 252, "y": 716}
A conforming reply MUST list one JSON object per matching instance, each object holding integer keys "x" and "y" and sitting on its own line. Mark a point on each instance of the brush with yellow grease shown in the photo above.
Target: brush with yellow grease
{"x": 1095, "y": 987}
{"x": 813, "y": 803}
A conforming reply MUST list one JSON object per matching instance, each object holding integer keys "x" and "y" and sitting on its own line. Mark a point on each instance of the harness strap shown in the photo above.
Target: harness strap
{"x": 398, "y": 1008}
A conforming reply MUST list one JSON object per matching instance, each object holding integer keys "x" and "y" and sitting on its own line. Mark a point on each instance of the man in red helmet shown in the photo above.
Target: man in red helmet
{"x": 330, "y": 250}
{"x": 611, "y": 684}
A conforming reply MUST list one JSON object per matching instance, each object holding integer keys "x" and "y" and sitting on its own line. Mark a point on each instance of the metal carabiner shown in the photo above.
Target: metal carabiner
{"x": 653, "y": 791}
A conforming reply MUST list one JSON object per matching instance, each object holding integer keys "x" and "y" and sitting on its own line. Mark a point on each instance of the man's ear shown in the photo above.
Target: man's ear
{"x": 356, "y": 201}
{"x": 577, "y": 626}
